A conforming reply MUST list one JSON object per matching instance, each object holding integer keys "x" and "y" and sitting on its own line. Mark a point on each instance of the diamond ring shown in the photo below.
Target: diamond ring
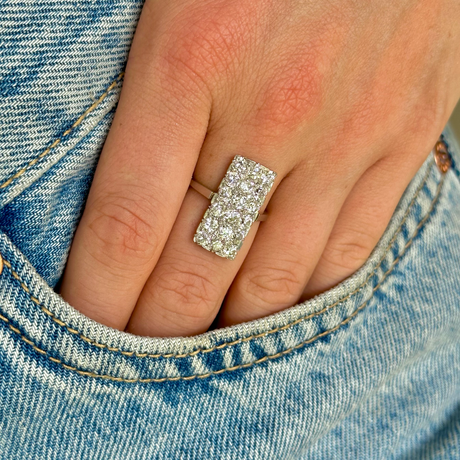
{"x": 234, "y": 207}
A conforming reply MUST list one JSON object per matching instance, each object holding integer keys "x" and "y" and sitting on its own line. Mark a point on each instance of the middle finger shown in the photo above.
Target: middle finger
{"x": 187, "y": 286}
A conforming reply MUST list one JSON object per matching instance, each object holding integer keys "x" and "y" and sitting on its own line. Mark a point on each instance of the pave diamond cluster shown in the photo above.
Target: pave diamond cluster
{"x": 234, "y": 207}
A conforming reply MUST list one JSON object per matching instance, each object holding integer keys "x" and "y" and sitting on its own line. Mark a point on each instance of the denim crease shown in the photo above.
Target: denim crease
{"x": 369, "y": 369}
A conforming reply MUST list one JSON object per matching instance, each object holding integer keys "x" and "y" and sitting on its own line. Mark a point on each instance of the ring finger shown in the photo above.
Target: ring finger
{"x": 320, "y": 249}
{"x": 188, "y": 284}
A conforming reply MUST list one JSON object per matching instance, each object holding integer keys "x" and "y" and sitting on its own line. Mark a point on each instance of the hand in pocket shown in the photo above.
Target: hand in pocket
{"x": 343, "y": 100}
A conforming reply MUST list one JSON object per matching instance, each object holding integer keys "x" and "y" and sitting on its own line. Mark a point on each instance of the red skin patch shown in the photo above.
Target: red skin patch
{"x": 291, "y": 96}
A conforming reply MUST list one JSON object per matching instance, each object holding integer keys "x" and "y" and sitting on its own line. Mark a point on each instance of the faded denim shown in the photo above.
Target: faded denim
{"x": 367, "y": 370}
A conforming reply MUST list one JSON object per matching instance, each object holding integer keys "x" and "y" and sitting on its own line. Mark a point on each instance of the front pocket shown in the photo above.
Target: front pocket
{"x": 374, "y": 358}
{"x": 41, "y": 203}
{"x": 59, "y": 333}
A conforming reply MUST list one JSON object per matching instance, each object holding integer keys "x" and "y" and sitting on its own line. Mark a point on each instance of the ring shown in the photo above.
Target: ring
{"x": 234, "y": 207}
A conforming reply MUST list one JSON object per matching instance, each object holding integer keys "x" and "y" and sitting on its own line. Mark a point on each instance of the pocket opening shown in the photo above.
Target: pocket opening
{"x": 274, "y": 336}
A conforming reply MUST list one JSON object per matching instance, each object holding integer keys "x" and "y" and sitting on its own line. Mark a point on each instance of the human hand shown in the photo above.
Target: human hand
{"x": 344, "y": 99}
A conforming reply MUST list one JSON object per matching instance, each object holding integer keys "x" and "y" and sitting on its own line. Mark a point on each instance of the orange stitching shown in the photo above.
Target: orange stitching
{"x": 66, "y": 133}
{"x": 234, "y": 342}
{"x": 239, "y": 366}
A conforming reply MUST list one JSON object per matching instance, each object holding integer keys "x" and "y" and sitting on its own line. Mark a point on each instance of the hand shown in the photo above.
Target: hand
{"x": 344, "y": 99}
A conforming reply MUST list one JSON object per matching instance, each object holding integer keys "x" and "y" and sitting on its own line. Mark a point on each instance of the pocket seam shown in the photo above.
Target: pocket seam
{"x": 265, "y": 333}
{"x": 79, "y": 120}
{"x": 245, "y": 365}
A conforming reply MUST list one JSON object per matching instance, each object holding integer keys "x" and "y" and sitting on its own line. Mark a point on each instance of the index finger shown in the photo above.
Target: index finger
{"x": 140, "y": 182}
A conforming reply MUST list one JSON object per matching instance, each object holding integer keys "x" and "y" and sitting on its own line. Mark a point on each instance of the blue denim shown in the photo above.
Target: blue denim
{"x": 370, "y": 369}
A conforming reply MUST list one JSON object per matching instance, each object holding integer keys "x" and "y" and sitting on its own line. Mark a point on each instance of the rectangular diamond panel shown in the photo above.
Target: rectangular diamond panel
{"x": 234, "y": 207}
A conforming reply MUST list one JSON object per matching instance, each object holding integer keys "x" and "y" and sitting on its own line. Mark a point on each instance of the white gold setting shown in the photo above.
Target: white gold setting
{"x": 235, "y": 207}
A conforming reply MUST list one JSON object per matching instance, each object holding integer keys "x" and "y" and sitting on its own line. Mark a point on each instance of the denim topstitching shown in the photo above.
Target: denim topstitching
{"x": 66, "y": 133}
{"x": 260, "y": 360}
{"x": 237, "y": 341}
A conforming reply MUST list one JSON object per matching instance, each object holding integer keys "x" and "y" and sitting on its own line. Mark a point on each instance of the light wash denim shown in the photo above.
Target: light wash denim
{"x": 367, "y": 370}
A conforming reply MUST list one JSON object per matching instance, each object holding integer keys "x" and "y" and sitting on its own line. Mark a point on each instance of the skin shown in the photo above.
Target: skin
{"x": 344, "y": 99}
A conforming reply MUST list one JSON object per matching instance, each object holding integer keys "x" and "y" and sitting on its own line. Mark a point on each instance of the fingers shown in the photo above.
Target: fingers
{"x": 186, "y": 289}
{"x": 140, "y": 183}
{"x": 288, "y": 245}
{"x": 309, "y": 248}
{"x": 187, "y": 286}
{"x": 362, "y": 221}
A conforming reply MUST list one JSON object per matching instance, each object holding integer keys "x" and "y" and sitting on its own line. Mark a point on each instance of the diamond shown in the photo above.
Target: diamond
{"x": 217, "y": 246}
{"x": 213, "y": 224}
{"x": 231, "y": 179}
{"x": 203, "y": 241}
{"x": 225, "y": 232}
{"x": 232, "y": 218}
{"x": 245, "y": 186}
{"x": 234, "y": 207}
{"x": 248, "y": 219}
{"x": 217, "y": 210}
{"x": 224, "y": 191}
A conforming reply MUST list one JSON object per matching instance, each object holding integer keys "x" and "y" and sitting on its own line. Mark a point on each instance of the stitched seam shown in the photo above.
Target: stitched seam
{"x": 234, "y": 342}
{"x": 65, "y": 134}
{"x": 238, "y": 366}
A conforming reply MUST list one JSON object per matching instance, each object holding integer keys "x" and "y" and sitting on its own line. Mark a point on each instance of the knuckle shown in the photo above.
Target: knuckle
{"x": 348, "y": 252}
{"x": 204, "y": 42}
{"x": 292, "y": 96}
{"x": 429, "y": 119}
{"x": 187, "y": 290}
{"x": 122, "y": 235}
{"x": 274, "y": 286}
{"x": 361, "y": 115}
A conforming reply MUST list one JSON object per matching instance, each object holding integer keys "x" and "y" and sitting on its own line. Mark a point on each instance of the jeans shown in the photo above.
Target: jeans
{"x": 369, "y": 369}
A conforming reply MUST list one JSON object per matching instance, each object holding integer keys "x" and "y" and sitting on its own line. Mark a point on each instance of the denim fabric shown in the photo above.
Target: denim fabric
{"x": 60, "y": 77}
{"x": 367, "y": 370}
